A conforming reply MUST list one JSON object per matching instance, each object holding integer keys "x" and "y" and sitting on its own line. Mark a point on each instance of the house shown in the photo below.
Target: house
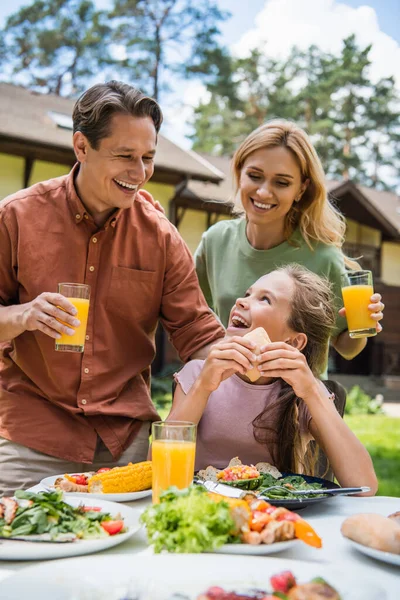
{"x": 35, "y": 145}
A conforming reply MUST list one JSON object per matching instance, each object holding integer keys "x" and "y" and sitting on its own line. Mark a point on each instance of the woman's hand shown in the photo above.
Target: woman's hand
{"x": 231, "y": 355}
{"x": 279, "y": 359}
{"x": 376, "y": 309}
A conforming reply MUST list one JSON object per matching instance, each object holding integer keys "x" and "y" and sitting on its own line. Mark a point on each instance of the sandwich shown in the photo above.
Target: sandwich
{"x": 260, "y": 337}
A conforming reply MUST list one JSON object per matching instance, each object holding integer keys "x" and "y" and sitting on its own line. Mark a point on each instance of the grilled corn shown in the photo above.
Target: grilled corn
{"x": 120, "y": 480}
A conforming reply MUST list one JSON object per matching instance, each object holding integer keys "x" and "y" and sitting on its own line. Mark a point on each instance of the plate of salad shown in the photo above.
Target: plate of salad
{"x": 260, "y": 478}
{"x": 37, "y": 526}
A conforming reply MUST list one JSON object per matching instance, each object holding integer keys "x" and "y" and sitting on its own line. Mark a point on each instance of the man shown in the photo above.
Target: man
{"x": 61, "y": 411}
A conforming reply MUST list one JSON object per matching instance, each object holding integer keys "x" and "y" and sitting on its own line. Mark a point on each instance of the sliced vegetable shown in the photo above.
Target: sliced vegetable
{"x": 306, "y": 533}
{"x": 112, "y": 527}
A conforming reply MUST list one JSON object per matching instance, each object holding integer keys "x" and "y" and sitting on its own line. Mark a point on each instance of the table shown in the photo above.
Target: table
{"x": 325, "y": 517}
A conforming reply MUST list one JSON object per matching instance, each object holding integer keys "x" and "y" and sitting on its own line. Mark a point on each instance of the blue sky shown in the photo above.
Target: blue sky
{"x": 243, "y": 14}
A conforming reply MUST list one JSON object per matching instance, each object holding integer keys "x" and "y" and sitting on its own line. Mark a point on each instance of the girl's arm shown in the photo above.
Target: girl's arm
{"x": 348, "y": 457}
{"x": 231, "y": 355}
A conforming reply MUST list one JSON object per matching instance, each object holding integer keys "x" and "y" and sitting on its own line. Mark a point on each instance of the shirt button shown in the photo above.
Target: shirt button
{"x": 94, "y": 240}
{"x": 86, "y": 337}
{"x": 77, "y": 217}
{"x": 83, "y": 401}
{"x": 91, "y": 269}
{"x": 86, "y": 370}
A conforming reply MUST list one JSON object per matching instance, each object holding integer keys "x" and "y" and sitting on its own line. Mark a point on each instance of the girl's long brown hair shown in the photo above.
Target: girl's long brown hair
{"x": 312, "y": 313}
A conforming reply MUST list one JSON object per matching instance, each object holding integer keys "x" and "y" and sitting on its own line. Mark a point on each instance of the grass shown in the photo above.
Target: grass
{"x": 379, "y": 433}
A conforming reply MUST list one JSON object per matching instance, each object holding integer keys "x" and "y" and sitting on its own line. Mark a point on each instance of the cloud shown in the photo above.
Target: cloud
{"x": 325, "y": 23}
{"x": 284, "y": 23}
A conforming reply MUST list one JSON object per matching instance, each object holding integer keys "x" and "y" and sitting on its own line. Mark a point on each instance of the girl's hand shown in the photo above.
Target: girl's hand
{"x": 376, "y": 309}
{"x": 230, "y": 355}
{"x": 279, "y": 359}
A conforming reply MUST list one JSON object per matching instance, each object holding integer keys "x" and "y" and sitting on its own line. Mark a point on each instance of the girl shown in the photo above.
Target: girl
{"x": 274, "y": 418}
{"x": 288, "y": 218}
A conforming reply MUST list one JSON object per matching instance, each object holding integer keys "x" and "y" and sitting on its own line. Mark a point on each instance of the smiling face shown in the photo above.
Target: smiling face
{"x": 110, "y": 176}
{"x": 270, "y": 181}
{"x": 266, "y": 304}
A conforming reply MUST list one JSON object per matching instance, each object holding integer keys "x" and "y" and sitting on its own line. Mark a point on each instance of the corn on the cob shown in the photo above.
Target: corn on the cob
{"x": 120, "y": 480}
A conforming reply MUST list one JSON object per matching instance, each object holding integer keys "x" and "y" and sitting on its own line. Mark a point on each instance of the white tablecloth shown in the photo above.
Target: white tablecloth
{"x": 325, "y": 517}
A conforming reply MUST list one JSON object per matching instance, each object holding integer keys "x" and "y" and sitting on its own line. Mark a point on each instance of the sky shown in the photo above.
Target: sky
{"x": 277, "y": 25}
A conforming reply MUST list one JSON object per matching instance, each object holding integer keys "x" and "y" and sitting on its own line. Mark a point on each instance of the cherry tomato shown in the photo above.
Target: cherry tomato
{"x": 92, "y": 508}
{"x": 80, "y": 479}
{"x": 112, "y": 527}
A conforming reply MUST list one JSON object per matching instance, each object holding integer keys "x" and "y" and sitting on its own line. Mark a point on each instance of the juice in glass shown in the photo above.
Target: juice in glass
{"x": 78, "y": 295}
{"x": 173, "y": 455}
{"x": 357, "y": 291}
{"x": 173, "y": 464}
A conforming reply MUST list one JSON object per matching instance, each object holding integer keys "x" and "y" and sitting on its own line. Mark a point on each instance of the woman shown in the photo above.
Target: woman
{"x": 289, "y": 218}
{"x": 274, "y": 418}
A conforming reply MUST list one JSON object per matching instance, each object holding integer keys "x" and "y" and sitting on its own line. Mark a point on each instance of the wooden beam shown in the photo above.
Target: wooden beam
{"x": 28, "y": 170}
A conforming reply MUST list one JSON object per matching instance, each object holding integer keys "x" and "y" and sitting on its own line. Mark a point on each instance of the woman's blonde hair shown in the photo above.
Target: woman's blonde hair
{"x": 315, "y": 216}
{"x": 313, "y": 313}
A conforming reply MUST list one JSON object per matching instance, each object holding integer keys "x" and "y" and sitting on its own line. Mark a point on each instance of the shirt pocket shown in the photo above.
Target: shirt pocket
{"x": 132, "y": 293}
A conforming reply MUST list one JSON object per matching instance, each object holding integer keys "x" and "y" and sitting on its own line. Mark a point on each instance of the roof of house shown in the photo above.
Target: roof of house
{"x": 380, "y": 209}
{"x": 31, "y": 117}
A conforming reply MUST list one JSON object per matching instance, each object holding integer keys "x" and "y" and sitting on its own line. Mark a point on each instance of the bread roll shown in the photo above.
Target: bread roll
{"x": 260, "y": 337}
{"x": 374, "y": 531}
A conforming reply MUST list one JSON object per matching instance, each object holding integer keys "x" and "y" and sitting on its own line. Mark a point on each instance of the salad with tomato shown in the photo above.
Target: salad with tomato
{"x": 46, "y": 516}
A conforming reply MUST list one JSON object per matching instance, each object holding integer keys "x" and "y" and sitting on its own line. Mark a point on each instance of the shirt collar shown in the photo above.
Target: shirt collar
{"x": 77, "y": 207}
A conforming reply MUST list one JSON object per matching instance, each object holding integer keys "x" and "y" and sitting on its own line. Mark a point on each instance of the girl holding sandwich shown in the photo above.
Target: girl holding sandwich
{"x": 272, "y": 418}
{"x": 288, "y": 218}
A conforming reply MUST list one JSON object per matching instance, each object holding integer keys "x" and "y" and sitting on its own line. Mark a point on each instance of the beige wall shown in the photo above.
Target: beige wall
{"x": 391, "y": 263}
{"x": 161, "y": 192}
{"x": 42, "y": 171}
{"x": 361, "y": 234}
{"x": 11, "y": 174}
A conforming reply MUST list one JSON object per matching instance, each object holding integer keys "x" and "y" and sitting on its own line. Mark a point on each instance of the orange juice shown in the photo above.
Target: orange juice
{"x": 173, "y": 464}
{"x": 356, "y": 299}
{"x": 78, "y": 338}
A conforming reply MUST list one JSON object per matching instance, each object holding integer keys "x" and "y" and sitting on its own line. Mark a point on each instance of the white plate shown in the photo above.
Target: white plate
{"x": 387, "y": 557}
{"x": 48, "y": 483}
{"x": 114, "y": 577}
{"x": 260, "y": 549}
{"x": 18, "y": 550}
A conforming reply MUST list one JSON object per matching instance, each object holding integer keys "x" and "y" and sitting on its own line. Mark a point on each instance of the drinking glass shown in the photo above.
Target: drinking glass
{"x": 173, "y": 454}
{"x": 79, "y": 295}
{"x": 357, "y": 289}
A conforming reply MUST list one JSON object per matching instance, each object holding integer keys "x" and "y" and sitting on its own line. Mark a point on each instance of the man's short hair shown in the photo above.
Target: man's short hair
{"x": 94, "y": 110}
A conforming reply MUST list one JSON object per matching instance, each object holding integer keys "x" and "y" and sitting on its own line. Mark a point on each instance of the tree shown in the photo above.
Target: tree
{"x": 245, "y": 92}
{"x": 159, "y": 38}
{"x": 54, "y": 46}
{"x": 383, "y": 132}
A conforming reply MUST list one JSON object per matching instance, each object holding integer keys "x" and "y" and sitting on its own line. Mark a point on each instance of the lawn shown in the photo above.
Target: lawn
{"x": 381, "y": 436}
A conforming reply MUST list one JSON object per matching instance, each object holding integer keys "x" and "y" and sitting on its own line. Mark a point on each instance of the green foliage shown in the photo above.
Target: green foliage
{"x": 360, "y": 403}
{"x": 163, "y": 37}
{"x": 161, "y": 389}
{"x": 54, "y": 46}
{"x": 380, "y": 435}
{"x": 353, "y": 123}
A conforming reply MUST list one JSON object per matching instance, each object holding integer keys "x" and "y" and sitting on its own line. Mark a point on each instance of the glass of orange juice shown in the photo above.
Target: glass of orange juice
{"x": 173, "y": 453}
{"x": 79, "y": 295}
{"x": 357, "y": 289}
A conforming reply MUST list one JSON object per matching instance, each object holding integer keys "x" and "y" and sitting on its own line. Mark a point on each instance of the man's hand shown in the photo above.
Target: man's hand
{"x": 45, "y": 312}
